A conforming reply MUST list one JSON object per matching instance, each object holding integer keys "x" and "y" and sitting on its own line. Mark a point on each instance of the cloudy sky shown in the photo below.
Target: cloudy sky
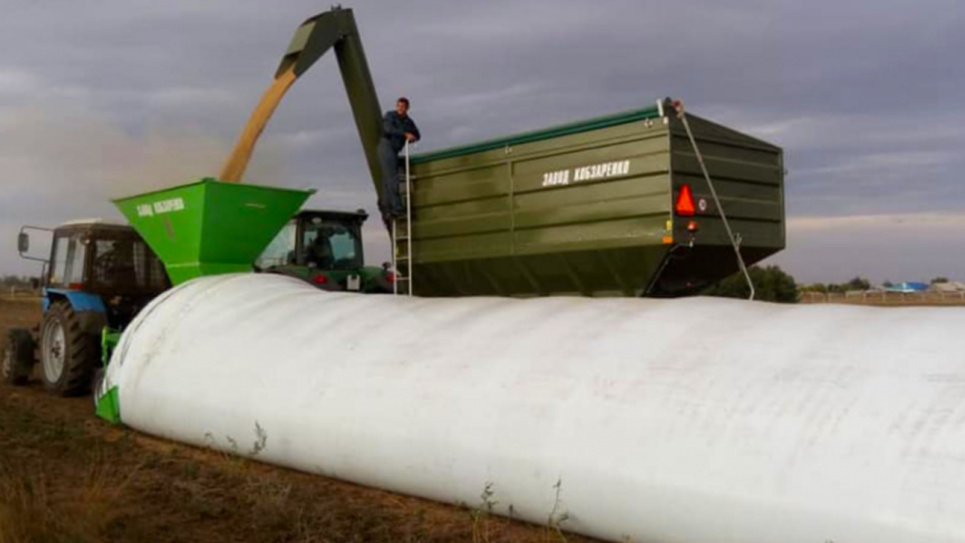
{"x": 106, "y": 98}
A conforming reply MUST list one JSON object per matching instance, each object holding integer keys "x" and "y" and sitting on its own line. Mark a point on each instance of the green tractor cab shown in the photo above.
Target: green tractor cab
{"x": 324, "y": 248}
{"x": 98, "y": 276}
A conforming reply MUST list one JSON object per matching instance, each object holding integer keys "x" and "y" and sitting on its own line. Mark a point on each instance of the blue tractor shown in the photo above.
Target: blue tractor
{"x": 97, "y": 277}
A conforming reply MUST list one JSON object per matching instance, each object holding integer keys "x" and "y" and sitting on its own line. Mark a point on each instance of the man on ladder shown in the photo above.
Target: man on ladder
{"x": 397, "y": 130}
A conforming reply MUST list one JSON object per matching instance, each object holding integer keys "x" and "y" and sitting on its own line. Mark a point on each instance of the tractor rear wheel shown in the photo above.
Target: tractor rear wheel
{"x": 69, "y": 355}
{"x": 18, "y": 357}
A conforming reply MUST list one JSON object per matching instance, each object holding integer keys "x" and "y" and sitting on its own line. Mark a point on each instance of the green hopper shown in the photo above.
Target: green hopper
{"x": 209, "y": 227}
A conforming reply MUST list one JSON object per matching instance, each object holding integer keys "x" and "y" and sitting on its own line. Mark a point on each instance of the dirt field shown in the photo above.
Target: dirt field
{"x": 66, "y": 476}
{"x": 18, "y": 313}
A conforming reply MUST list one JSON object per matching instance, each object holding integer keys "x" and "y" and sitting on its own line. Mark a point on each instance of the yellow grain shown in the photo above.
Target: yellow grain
{"x": 235, "y": 167}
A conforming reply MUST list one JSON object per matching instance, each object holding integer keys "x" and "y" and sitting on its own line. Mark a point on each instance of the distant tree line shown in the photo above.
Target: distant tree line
{"x": 15, "y": 281}
{"x": 771, "y": 284}
{"x": 857, "y": 283}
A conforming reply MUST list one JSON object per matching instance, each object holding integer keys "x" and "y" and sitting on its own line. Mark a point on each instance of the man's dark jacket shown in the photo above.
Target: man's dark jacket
{"x": 394, "y": 128}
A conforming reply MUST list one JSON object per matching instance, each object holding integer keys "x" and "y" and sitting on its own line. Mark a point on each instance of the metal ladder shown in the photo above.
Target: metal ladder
{"x": 403, "y": 274}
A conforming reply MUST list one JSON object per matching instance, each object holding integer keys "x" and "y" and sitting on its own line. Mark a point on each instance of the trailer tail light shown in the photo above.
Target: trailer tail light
{"x": 685, "y": 202}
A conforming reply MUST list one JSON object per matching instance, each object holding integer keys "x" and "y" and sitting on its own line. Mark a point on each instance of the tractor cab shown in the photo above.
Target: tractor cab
{"x": 98, "y": 263}
{"x": 97, "y": 277}
{"x": 325, "y": 249}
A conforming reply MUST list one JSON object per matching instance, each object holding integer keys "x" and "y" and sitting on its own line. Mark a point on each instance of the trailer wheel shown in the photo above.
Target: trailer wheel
{"x": 68, "y": 354}
{"x": 18, "y": 357}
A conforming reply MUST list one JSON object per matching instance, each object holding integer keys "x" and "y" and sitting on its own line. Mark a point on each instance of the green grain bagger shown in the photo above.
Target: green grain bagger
{"x": 209, "y": 227}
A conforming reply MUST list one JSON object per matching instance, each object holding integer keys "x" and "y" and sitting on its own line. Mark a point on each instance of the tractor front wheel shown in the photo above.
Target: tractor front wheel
{"x": 18, "y": 357}
{"x": 68, "y": 354}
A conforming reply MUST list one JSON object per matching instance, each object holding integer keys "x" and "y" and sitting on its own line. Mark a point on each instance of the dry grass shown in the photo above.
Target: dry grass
{"x": 34, "y": 510}
{"x": 66, "y": 477}
{"x": 46, "y": 499}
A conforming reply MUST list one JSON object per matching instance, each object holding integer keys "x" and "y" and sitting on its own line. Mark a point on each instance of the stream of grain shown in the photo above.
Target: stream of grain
{"x": 234, "y": 168}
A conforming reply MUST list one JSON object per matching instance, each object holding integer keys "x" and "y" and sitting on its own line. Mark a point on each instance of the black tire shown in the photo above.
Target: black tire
{"x": 68, "y": 354}
{"x": 18, "y": 357}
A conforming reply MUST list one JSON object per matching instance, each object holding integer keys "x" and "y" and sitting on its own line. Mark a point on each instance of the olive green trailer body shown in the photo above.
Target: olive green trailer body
{"x": 592, "y": 208}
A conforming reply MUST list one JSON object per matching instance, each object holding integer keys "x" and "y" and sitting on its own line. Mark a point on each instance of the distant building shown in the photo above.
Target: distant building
{"x": 911, "y": 286}
{"x": 950, "y": 286}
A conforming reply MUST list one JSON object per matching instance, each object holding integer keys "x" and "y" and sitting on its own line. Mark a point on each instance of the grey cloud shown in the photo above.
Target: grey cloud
{"x": 902, "y": 247}
{"x": 865, "y": 95}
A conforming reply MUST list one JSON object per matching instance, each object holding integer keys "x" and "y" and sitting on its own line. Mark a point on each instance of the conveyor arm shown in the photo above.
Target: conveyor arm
{"x": 333, "y": 29}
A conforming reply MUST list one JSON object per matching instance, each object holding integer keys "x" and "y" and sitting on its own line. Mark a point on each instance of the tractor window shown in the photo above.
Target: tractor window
{"x": 67, "y": 267}
{"x": 113, "y": 262}
{"x": 331, "y": 245}
{"x": 59, "y": 263}
{"x": 126, "y": 264}
{"x": 280, "y": 251}
{"x": 343, "y": 247}
{"x": 148, "y": 268}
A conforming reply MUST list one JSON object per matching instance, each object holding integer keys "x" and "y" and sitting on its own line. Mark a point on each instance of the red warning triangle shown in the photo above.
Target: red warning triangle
{"x": 685, "y": 202}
